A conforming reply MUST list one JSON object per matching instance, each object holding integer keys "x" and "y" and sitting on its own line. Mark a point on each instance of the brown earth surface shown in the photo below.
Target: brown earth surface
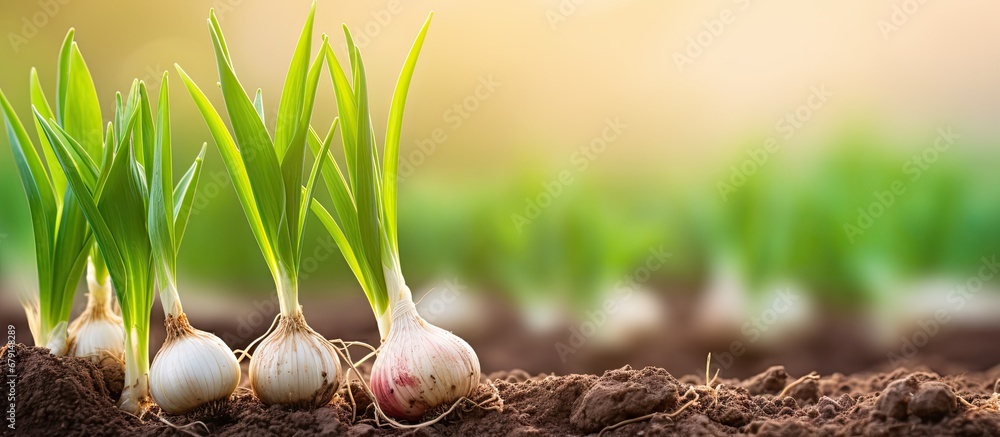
{"x": 70, "y": 396}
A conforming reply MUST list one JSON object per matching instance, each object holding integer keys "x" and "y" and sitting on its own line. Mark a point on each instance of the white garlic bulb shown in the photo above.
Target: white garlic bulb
{"x": 191, "y": 369}
{"x": 102, "y": 339}
{"x": 295, "y": 366}
{"x": 98, "y": 333}
{"x": 421, "y": 366}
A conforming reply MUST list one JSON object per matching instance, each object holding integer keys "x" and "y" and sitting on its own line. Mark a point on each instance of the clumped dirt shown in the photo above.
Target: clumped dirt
{"x": 69, "y": 396}
{"x": 63, "y": 396}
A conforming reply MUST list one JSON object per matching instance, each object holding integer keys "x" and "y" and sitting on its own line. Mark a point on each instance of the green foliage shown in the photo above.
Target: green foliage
{"x": 169, "y": 206}
{"x": 114, "y": 200}
{"x": 267, "y": 172}
{"x": 61, "y": 234}
{"x": 364, "y": 227}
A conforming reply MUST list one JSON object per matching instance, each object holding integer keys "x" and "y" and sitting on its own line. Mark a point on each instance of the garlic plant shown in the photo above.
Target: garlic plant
{"x": 293, "y": 365}
{"x": 61, "y": 233}
{"x": 419, "y": 366}
{"x": 193, "y": 367}
{"x": 114, "y": 199}
{"x": 138, "y": 219}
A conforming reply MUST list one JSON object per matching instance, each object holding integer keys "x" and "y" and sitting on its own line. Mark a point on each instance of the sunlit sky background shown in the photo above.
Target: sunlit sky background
{"x": 561, "y": 78}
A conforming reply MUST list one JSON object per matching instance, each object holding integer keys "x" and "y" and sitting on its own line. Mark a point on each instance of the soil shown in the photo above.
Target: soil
{"x": 69, "y": 396}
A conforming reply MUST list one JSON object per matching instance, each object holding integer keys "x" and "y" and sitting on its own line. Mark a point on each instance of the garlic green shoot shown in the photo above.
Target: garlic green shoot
{"x": 293, "y": 365}
{"x": 63, "y": 239}
{"x": 419, "y": 366}
{"x": 113, "y": 198}
{"x": 169, "y": 206}
{"x": 365, "y": 200}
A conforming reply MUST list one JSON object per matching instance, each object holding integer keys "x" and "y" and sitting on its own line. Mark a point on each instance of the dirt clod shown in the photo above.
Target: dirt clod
{"x": 624, "y": 394}
{"x": 114, "y": 376}
{"x": 66, "y": 395}
{"x": 933, "y": 401}
{"x": 828, "y": 408}
{"x": 895, "y": 399}
{"x": 806, "y": 392}
{"x": 771, "y": 382}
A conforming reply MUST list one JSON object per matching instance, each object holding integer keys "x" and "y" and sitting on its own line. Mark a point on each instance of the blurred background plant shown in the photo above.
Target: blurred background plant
{"x": 655, "y": 186}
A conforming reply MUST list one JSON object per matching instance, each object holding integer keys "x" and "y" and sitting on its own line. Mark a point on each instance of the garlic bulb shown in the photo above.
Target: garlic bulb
{"x": 421, "y": 366}
{"x": 99, "y": 338}
{"x": 98, "y": 332}
{"x": 191, "y": 369}
{"x": 295, "y": 366}
{"x": 57, "y": 343}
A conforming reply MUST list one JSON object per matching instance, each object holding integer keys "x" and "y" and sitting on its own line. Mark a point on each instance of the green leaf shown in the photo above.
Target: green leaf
{"x": 109, "y": 155}
{"x": 258, "y": 104}
{"x": 366, "y": 192}
{"x": 311, "y": 183}
{"x": 81, "y": 116}
{"x": 62, "y": 79}
{"x": 357, "y": 73}
{"x": 40, "y": 102}
{"x": 353, "y": 53}
{"x": 118, "y": 218}
{"x": 119, "y": 121}
{"x": 184, "y": 195}
{"x": 147, "y": 133}
{"x": 346, "y": 107}
{"x": 163, "y": 145}
{"x": 348, "y": 234}
{"x": 345, "y": 247}
{"x": 160, "y": 218}
{"x": 292, "y": 163}
{"x": 256, "y": 148}
{"x": 290, "y": 107}
{"x": 395, "y": 125}
{"x": 41, "y": 202}
{"x": 234, "y": 164}
{"x": 343, "y": 200}
{"x": 109, "y": 247}
{"x": 73, "y": 241}
{"x": 90, "y": 169}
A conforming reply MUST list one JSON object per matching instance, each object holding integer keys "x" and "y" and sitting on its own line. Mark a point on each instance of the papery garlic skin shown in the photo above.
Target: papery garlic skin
{"x": 192, "y": 368}
{"x": 100, "y": 339}
{"x": 98, "y": 332}
{"x": 295, "y": 366}
{"x": 421, "y": 366}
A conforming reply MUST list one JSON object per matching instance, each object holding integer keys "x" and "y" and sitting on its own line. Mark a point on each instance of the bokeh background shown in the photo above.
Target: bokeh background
{"x": 592, "y": 183}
